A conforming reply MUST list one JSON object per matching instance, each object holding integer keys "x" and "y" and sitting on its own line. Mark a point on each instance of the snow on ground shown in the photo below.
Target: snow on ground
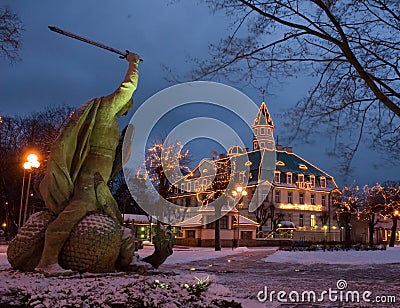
{"x": 165, "y": 289}
{"x": 189, "y": 254}
{"x": 391, "y": 255}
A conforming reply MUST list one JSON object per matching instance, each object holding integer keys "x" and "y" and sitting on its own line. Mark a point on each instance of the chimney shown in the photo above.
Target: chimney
{"x": 279, "y": 147}
{"x": 289, "y": 149}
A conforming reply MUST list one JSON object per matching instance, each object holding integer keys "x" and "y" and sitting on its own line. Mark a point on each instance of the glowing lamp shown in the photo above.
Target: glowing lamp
{"x": 27, "y": 165}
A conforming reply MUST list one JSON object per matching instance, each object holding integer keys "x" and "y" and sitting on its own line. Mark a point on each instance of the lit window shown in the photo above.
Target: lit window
{"x": 290, "y": 197}
{"x": 312, "y": 180}
{"x": 313, "y": 199}
{"x": 289, "y": 178}
{"x": 301, "y": 198}
{"x": 280, "y": 163}
{"x": 313, "y": 220}
{"x": 322, "y": 181}
{"x": 300, "y": 178}
{"x": 302, "y": 166}
{"x": 241, "y": 177}
{"x": 277, "y": 177}
{"x": 277, "y": 196}
{"x": 323, "y": 200}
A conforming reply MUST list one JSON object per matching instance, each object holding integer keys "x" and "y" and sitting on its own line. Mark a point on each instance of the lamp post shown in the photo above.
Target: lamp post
{"x": 239, "y": 192}
{"x": 32, "y": 161}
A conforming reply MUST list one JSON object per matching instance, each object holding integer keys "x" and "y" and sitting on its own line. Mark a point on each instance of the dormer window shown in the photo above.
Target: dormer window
{"x": 303, "y": 167}
{"x": 277, "y": 176}
{"x": 289, "y": 178}
{"x": 280, "y": 163}
{"x": 312, "y": 180}
{"x": 300, "y": 178}
{"x": 322, "y": 181}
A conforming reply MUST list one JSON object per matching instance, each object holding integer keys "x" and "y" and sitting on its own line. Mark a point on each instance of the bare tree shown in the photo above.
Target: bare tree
{"x": 350, "y": 48}
{"x": 11, "y": 29}
{"x": 17, "y": 135}
{"x": 348, "y": 204}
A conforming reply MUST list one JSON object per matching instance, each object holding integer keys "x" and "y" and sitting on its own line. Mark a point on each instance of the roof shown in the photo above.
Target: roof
{"x": 138, "y": 218}
{"x": 263, "y": 117}
{"x": 197, "y": 221}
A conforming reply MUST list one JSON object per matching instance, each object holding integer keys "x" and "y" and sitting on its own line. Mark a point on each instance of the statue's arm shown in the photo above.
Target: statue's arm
{"x": 121, "y": 97}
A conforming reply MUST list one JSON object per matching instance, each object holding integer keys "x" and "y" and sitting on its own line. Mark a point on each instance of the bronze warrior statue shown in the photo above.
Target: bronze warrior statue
{"x": 80, "y": 165}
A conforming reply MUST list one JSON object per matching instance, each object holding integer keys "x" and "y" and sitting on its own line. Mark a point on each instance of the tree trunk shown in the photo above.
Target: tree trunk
{"x": 393, "y": 234}
{"x": 371, "y": 233}
{"x": 217, "y": 229}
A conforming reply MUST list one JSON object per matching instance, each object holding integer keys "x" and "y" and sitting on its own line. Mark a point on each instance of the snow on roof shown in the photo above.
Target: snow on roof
{"x": 138, "y": 218}
{"x": 191, "y": 222}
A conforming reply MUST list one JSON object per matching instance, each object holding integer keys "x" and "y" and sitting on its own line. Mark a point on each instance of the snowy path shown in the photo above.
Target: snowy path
{"x": 238, "y": 275}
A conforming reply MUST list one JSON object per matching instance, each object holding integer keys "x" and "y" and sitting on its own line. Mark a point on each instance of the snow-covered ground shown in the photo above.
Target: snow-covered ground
{"x": 391, "y": 255}
{"x": 237, "y": 275}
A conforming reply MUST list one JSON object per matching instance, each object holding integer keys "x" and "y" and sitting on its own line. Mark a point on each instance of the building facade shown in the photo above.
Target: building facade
{"x": 284, "y": 195}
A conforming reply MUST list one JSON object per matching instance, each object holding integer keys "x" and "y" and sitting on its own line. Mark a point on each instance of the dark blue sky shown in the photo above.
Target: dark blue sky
{"x": 56, "y": 69}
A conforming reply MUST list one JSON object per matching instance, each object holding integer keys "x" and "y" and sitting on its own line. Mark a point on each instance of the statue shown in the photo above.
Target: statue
{"x": 74, "y": 189}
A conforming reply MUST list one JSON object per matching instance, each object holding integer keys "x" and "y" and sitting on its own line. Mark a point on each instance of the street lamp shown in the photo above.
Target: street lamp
{"x": 32, "y": 161}
{"x": 239, "y": 192}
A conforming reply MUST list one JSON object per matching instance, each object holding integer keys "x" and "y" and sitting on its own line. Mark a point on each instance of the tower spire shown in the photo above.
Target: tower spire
{"x": 263, "y": 127}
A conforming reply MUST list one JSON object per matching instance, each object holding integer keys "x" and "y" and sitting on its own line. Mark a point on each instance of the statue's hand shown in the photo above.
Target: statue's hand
{"x": 132, "y": 57}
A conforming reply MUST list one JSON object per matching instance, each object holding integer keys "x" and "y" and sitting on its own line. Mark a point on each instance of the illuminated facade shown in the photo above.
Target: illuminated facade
{"x": 294, "y": 192}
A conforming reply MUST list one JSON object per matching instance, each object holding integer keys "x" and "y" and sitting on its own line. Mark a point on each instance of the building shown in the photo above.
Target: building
{"x": 281, "y": 193}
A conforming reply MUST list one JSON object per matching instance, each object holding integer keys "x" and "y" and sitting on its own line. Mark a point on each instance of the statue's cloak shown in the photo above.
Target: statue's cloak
{"x": 67, "y": 156}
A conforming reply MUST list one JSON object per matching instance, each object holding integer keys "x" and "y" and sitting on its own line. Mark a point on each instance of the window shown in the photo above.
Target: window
{"x": 256, "y": 131}
{"x": 262, "y": 131}
{"x": 312, "y": 180}
{"x": 313, "y": 199}
{"x": 183, "y": 187}
{"x": 300, "y": 178}
{"x": 241, "y": 177}
{"x": 290, "y": 197}
{"x": 289, "y": 178}
{"x": 322, "y": 181}
{"x": 323, "y": 200}
{"x": 302, "y": 166}
{"x": 277, "y": 177}
{"x": 204, "y": 183}
{"x": 313, "y": 220}
{"x": 264, "y": 194}
{"x": 246, "y": 235}
{"x": 280, "y": 163}
{"x": 301, "y": 220}
{"x": 223, "y": 222}
{"x": 277, "y": 196}
{"x": 196, "y": 186}
{"x": 190, "y": 233}
{"x": 262, "y": 145}
{"x": 301, "y": 198}
{"x": 269, "y": 131}
{"x": 289, "y": 217}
